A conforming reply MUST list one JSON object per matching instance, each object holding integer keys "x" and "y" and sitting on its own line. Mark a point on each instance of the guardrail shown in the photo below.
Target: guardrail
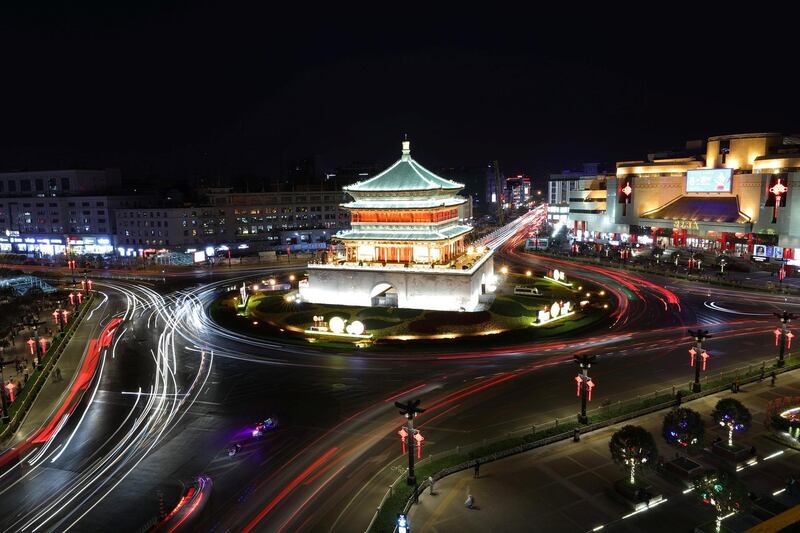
{"x": 661, "y": 399}
{"x": 20, "y": 408}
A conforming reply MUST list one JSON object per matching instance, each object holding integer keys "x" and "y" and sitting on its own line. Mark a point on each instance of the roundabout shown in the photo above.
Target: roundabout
{"x": 525, "y": 305}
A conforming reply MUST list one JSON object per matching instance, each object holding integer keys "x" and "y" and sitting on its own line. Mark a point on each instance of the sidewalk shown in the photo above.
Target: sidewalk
{"x": 568, "y": 486}
{"x": 52, "y": 394}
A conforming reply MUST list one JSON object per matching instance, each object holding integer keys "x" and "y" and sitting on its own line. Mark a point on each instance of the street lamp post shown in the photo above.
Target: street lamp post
{"x": 72, "y": 265}
{"x": 584, "y": 383}
{"x": 783, "y": 334}
{"x": 3, "y": 405}
{"x": 410, "y": 410}
{"x": 698, "y": 355}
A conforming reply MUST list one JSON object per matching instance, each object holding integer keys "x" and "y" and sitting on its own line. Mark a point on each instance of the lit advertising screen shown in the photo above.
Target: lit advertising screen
{"x": 199, "y": 257}
{"x": 709, "y": 180}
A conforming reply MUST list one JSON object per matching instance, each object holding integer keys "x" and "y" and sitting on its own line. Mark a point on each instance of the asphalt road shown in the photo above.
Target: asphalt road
{"x": 175, "y": 391}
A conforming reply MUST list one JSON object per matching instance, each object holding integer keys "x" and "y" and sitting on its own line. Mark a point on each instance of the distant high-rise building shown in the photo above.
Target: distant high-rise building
{"x": 518, "y": 190}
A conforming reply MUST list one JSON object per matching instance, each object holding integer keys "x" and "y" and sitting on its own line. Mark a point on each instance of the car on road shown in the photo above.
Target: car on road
{"x": 265, "y": 425}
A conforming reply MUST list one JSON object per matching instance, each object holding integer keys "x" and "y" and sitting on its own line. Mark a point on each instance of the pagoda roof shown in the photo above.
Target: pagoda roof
{"x": 425, "y": 203}
{"x": 440, "y": 235}
{"x": 405, "y": 175}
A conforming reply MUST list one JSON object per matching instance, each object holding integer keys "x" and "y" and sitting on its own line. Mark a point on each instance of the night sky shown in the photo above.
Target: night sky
{"x": 228, "y": 89}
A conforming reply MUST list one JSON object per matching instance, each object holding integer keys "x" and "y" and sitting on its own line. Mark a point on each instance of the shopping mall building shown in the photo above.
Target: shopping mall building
{"x": 731, "y": 192}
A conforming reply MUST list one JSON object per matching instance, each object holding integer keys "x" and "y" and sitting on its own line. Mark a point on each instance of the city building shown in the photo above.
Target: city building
{"x": 301, "y": 220}
{"x": 60, "y": 212}
{"x": 145, "y": 230}
{"x": 571, "y": 186}
{"x": 518, "y": 190}
{"x": 733, "y": 192}
{"x": 405, "y": 247}
{"x": 495, "y": 188}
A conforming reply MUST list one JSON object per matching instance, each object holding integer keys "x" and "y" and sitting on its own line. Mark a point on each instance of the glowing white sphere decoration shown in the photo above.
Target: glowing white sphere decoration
{"x": 555, "y": 310}
{"x": 556, "y": 274}
{"x": 355, "y": 328}
{"x": 336, "y": 324}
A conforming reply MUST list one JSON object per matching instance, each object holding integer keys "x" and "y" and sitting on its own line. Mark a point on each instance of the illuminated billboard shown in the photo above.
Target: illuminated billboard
{"x": 709, "y": 180}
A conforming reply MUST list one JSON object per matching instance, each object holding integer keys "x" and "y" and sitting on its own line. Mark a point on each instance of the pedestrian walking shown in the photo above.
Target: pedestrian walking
{"x": 761, "y": 376}
{"x": 469, "y": 503}
{"x": 430, "y": 485}
{"x": 477, "y": 470}
{"x": 773, "y": 377}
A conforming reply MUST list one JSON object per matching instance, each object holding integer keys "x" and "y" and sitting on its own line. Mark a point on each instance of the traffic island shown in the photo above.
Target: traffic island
{"x": 279, "y": 315}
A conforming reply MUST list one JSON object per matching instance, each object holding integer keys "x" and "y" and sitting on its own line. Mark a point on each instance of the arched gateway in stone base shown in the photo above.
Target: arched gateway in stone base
{"x": 405, "y": 247}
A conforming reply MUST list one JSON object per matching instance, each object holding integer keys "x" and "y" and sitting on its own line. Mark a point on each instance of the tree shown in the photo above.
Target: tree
{"x": 633, "y": 447}
{"x": 683, "y": 428}
{"x": 734, "y": 416}
{"x": 724, "y": 491}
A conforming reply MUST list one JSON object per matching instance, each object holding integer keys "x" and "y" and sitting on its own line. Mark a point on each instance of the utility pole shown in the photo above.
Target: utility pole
{"x": 585, "y": 383}
{"x": 783, "y": 336}
{"x": 698, "y": 355}
{"x": 410, "y": 410}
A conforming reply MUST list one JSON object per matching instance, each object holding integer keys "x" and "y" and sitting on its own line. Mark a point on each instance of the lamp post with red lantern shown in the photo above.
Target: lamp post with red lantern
{"x": 698, "y": 355}
{"x": 412, "y": 439}
{"x": 783, "y": 335}
{"x": 584, "y": 383}
{"x": 60, "y": 317}
{"x": 71, "y": 264}
{"x": 3, "y": 406}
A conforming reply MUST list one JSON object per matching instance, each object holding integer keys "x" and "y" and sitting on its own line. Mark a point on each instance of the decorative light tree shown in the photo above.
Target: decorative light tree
{"x": 633, "y": 447}
{"x": 732, "y": 415}
{"x": 683, "y": 428}
{"x": 725, "y": 492}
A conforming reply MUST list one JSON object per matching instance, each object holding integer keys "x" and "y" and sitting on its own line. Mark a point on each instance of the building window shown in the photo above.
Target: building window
{"x": 64, "y": 184}
{"x": 25, "y": 185}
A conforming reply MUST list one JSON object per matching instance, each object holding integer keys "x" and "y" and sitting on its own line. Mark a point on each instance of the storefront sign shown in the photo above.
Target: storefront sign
{"x": 685, "y": 224}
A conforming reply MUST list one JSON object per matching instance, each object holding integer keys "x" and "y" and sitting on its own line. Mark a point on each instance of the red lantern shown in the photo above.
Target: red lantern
{"x": 43, "y": 344}
{"x": 403, "y": 435}
{"x": 71, "y": 299}
{"x": 31, "y": 345}
{"x": 705, "y": 359}
{"x": 419, "y": 438}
